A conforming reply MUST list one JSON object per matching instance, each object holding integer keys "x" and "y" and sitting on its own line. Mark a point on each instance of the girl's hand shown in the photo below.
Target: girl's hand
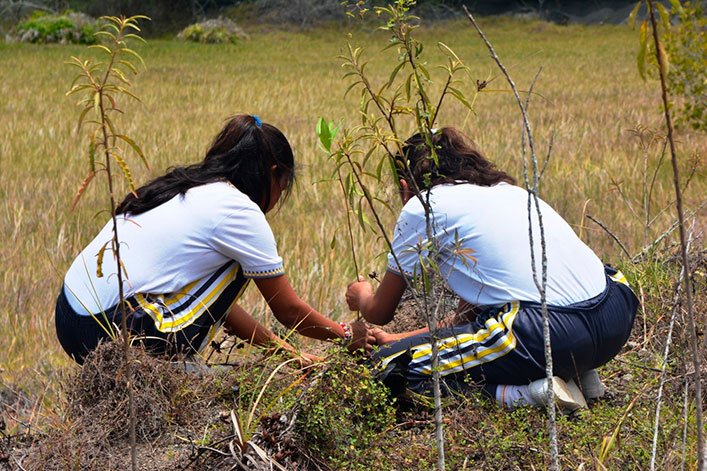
{"x": 358, "y": 291}
{"x": 361, "y": 337}
{"x": 382, "y": 337}
{"x": 307, "y": 359}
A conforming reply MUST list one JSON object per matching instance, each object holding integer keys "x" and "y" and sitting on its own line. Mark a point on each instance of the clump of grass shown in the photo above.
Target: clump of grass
{"x": 215, "y": 31}
{"x": 96, "y": 411}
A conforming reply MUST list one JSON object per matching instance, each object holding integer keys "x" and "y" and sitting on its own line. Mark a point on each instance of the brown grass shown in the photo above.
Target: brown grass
{"x": 589, "y": 93}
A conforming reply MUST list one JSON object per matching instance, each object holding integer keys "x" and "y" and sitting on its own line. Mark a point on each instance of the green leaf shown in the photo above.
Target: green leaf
{"x": 129, "y": 65}
{"x": 128, "y": 92}
{"x": 394, "y": 74}
{"x": 332, "y": 244}
{"x": 92, "y": 155}
{"x": 643, "y": 49}
{"x": 109, "y": 122}
{"x": 676, "y": 6}
{"x": 125, "y": 169}
{"x": 99, "y": 260}
{"x": 632, "y": 15}
{"x": 78, "y": 88}
{"x": 108, "y": 34}
{"x": 359, "y": 214}
{"x": 119, "y": 73}
{"x": 134, "y": 36}
{"x": 102, "y": 48}
{"x": 83, "y": 114}
{"x": 135, "y": 148}
{"x": 379, "y": 168}
{"x": 133, "y": 53}
{"x": 459, "y": 95}
{"x": 408, "y": 87}
{"x": 322, "y": 130}
{"x": 424, "y": 71}
{"x": 664, "y": 17}
{"x": 446, "y": 49}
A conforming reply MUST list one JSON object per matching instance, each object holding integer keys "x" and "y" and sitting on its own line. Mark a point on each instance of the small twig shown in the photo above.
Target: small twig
{"x": 623, "y": 247}
{"x": 664, "y": 366}
{"x": 685, "y": 409}
{"x": 665, "y": 234}
{"x": 19, "y": 462}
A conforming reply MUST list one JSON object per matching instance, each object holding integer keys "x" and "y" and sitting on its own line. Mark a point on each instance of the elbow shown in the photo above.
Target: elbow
{"x": 378, "y": 316}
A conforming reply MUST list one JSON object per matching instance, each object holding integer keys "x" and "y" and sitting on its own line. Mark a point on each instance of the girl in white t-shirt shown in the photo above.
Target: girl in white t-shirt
{"x": 190, "y": 242}
{"x": 480, "y": 228}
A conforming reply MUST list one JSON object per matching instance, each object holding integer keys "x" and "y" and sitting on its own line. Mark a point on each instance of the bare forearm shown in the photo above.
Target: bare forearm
{"x": 244, "y": 326}
{"x": 307, "y": 321}
{"x": 294, "y": 313}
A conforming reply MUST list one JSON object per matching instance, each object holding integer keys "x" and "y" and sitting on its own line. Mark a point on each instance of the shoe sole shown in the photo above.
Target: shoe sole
{"x": 568, "y": 396}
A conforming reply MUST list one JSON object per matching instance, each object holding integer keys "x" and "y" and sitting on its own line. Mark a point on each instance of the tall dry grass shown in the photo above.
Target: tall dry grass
{"x": 589, "y": 94}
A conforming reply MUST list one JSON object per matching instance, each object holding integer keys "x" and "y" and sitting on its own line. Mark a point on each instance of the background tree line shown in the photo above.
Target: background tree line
{"x": 169, "y": 16}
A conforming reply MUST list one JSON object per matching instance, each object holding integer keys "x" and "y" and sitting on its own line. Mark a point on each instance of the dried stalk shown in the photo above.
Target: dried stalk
{"x": 532, "y": 195}
{"x": 664, "y": 366}
{"x": 701, "y": 451}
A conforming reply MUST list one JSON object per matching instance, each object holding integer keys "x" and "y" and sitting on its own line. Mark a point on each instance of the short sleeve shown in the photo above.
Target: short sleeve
{"x": 408, "y": 242}
{"x": 243, "y": 234}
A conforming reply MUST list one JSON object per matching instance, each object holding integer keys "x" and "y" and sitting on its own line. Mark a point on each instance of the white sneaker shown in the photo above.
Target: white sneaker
{"x": 568, "y": 396}
{"x": 591, "y": 384}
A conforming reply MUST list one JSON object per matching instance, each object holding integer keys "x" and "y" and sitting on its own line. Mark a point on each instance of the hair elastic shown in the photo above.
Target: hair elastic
{"x": 257, "y": 121}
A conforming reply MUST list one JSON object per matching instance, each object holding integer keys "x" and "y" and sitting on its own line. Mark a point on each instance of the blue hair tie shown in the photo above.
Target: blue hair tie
{"x": 257, "y": 121}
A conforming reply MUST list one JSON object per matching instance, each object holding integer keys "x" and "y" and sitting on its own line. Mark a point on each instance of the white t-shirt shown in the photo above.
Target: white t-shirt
{"x": 189, "y": 248}
{"x": 485, "y": 256}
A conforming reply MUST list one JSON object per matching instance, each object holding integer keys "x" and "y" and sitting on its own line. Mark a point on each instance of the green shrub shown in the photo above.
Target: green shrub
{"x": 687, "y": 50}
{"x": 215, "y": 31}
{"x": 344, "y": 413}
{"x": 68, "y": 27}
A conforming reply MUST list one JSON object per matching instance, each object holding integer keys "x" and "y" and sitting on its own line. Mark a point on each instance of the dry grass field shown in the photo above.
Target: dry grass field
{"x": 589, "y": 95}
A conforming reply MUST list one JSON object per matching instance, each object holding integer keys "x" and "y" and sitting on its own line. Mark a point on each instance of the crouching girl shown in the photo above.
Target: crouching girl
{"x": 191, "y": 241}
{"x": 477, "y": 209}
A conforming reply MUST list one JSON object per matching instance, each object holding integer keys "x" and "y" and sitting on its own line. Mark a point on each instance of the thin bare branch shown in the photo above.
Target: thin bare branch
{"x": 540, "y": 284}
{"x": 701, "y": 451}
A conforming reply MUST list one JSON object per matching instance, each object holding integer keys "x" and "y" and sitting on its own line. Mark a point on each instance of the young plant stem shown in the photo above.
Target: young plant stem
{"x": 541, "y": 285}
{"x": 423, "y": 123}
{"x": 701, "y": 451}
{"x": 369, "y": 200}
{"x": 350, "y": 230}
{"x": 116, "y": 252}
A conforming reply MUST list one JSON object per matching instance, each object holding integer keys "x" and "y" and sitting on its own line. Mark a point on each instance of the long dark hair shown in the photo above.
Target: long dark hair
{"x": 243, "y": 153}
{"x": 458, "y": 159}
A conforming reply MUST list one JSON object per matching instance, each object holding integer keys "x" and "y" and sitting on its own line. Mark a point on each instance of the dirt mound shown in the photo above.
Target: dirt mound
{"x": 242, "y": 415}
{"x": 95, "y": 429}
{"x": 410, "y": 315}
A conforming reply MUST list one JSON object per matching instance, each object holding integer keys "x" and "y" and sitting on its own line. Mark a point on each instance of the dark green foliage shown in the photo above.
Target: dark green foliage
{"x": 687, "y": 51}
{"x": 344, "y": 413}
{"x": 68, "y": 27}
